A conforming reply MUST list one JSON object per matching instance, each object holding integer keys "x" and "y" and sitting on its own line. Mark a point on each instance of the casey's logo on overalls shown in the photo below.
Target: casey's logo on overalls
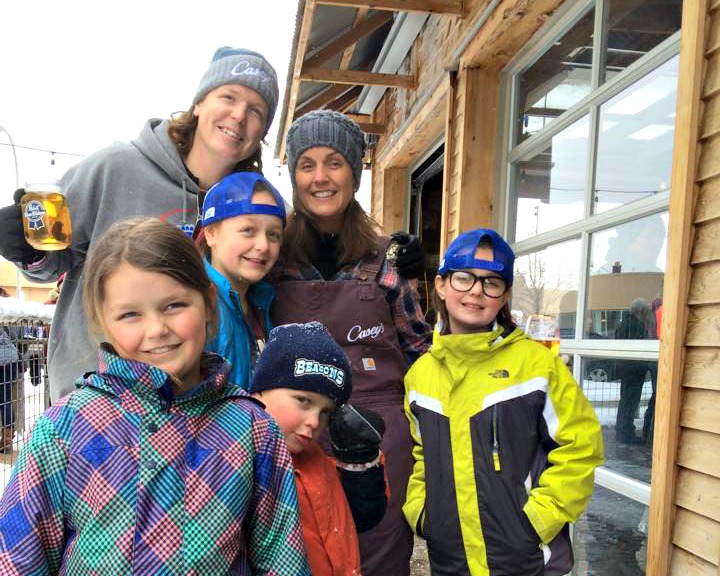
{"x": 357, "y": 332}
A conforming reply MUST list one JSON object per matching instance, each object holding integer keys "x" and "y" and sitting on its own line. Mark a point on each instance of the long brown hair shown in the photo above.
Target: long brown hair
{"x": 357, "y": 238}
{"x": 148, "y": 244}
{"x": 182, "y": 133}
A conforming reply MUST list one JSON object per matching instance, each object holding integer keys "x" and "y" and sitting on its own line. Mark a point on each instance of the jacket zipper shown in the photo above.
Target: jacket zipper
{"x": 495, "y": 441}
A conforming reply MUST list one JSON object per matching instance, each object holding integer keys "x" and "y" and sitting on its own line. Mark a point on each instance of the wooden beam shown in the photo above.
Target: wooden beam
{"x": 394, "y": 192}
{"x": 508, "y": 28}
{"x": 365, "y": 121}
{"x": 449, "y": 152}
{"x": 303, "y": 36}
{"x": 349, "y": 38}
{"x": 350, "y": 50}
{"x": 425, "y": 124}
{"x": 684, "y": 190}
{"x": 424, "y": 6}
{"x": 321, "y": 99}
{"x": 347, "y": 98}
{"x": 477, "y": 154}
{"x": 357, "y": 78}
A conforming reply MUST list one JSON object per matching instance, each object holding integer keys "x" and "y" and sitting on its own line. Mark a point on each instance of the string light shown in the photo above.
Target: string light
{"x": 44, "y": 150}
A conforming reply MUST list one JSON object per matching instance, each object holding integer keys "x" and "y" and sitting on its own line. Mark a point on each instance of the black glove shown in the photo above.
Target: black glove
{"x": 12, "y": 237}
{"x": 355, "y": 434}
{"x": 410, "y": 259}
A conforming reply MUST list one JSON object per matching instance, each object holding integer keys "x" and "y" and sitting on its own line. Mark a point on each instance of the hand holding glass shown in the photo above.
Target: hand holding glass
{"x": 46, "y": 217}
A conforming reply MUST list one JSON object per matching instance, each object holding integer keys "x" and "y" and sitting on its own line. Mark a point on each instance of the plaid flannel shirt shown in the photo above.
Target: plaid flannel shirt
{"x": 414, "y": 334}
{"x": 121, "y": 477}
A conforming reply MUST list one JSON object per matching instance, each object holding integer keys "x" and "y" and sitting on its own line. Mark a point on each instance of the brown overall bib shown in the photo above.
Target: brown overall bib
{"x": 358, "y": 316}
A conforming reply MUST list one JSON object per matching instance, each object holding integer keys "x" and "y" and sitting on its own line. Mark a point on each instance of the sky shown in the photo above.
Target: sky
{"x": 77, "y": 75}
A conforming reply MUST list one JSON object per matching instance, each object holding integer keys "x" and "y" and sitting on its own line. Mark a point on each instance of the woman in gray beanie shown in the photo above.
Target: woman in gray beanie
{"x": 334, "y": 268}
{"x": 164, "y": 173}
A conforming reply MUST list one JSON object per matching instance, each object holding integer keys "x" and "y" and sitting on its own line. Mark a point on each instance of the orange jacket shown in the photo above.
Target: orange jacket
{"x": 330, "y": 537}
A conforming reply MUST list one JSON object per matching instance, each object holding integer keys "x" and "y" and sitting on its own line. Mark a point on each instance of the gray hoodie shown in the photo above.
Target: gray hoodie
{"x": 145, "y": 177}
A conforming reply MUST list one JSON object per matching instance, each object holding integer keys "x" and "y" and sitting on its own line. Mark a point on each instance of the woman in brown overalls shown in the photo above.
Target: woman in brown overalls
{"x": 333, "y": 268}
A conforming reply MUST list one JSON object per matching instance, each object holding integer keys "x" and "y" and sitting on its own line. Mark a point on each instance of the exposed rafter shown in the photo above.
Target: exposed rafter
{"x": 349, "y": 38}
{"x": 341, "y": 103}
{"x": 321, "y": 99}
{"x": 357, "y": 78}
{"x": 366, "y": 123}
{"x": 304, "y": 34}
{"x": 360, "y": 15}
{"x": 432, "y": 6}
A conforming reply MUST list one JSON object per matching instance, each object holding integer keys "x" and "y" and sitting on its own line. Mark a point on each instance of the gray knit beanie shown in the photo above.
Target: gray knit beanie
{"x": 326, "y": 128}
{"x": 245, "y": 67}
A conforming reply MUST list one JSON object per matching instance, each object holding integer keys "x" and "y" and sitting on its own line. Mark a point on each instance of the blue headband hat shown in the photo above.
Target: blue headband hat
{"x": 232, "y": 196}
{"x": 460, "y": 255}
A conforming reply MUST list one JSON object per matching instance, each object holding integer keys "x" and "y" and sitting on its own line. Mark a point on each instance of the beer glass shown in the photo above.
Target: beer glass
{"x": 544, "y": 329}
{"x": 46, "y": 217}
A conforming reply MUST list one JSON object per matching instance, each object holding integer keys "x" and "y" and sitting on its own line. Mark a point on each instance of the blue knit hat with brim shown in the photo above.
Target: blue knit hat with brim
{"x": 245, "y": 67}
{"x": 303, "y": 357}
{"x": 232, "y": 196}
{"x": 326, "y": 128}
{"x": 460, "y": 255}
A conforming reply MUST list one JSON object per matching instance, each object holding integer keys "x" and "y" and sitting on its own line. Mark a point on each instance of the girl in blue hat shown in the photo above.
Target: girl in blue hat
{"x": 243, "y": 219}
{"x": 506, "y": 443}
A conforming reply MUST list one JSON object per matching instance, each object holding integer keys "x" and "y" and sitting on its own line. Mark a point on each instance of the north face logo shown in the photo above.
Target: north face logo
{"x": 499, "y": 374}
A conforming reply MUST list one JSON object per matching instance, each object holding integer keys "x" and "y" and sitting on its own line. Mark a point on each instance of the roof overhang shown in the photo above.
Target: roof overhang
{"x": 347, "y": 53}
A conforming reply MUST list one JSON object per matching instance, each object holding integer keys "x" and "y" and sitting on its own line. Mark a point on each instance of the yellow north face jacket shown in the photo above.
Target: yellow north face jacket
{"x": 506, "y": 445}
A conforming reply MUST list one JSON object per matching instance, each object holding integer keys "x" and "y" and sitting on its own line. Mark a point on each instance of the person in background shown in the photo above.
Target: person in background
{"x": 506, "y": 443}
{"x": 638, "y": 325}
{"x": 243, "y": 218}
{"x": 165, "y": 173}
{"x": 10, "y": 371}
{"x": 334, "y": 268}
{"x": 304, "y": 379}
{"x": 156, "y": 464}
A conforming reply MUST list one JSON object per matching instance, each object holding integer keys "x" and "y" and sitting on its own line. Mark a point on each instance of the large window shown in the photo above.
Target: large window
{"x": 590, "y": 114}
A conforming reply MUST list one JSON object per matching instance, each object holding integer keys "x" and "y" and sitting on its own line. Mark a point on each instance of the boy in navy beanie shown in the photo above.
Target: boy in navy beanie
{"x": 304, "y": 379}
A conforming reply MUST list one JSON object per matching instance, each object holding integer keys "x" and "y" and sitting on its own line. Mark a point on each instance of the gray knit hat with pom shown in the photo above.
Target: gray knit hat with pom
{"x": 245, "y": 67}
{"x": 326, "y": 128}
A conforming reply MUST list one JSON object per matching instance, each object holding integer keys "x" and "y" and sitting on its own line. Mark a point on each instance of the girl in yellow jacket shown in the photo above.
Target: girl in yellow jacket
{"x": 506, "y": 443}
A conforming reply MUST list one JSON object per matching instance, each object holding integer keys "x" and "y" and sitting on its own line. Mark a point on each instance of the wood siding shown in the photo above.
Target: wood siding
{"x": 685, "y": 508}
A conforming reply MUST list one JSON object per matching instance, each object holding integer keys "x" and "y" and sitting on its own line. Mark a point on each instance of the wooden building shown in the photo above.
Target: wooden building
{"x": 588, "y": 133}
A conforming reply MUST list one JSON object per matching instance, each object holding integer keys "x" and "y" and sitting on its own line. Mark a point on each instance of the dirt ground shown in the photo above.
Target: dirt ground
{"x": 419, "y": 563}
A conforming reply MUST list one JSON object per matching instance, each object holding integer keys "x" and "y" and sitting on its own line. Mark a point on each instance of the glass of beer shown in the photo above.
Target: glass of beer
{"x": 46, "y": 217}
{"x": 544, "y": 329}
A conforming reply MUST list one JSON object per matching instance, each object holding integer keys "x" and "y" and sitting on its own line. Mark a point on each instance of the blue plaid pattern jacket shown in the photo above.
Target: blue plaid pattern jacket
{"x": 121, "y": 477}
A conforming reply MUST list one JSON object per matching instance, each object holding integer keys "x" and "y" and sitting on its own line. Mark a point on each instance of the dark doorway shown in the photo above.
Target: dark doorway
{"x": 426, "y": 219}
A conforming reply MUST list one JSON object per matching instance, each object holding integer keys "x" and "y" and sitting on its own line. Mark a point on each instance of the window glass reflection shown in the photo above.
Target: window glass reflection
{"x": 635, "y": 28}
{"x": 636, "y": 138}
{"x": 623, "y": 395}
{"x": 549, "y": 187}
{"x": 611, "y": 536}
{"x": 560, "y": 78}
{"x": 546, "y": 283}
{"x": 625, "y": 281}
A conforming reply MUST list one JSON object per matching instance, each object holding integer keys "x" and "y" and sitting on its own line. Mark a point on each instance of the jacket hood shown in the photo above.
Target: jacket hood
{"x": 155, "y": 144}
{"x": 455, "y": 350}
{"x": 119, "y": 376}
